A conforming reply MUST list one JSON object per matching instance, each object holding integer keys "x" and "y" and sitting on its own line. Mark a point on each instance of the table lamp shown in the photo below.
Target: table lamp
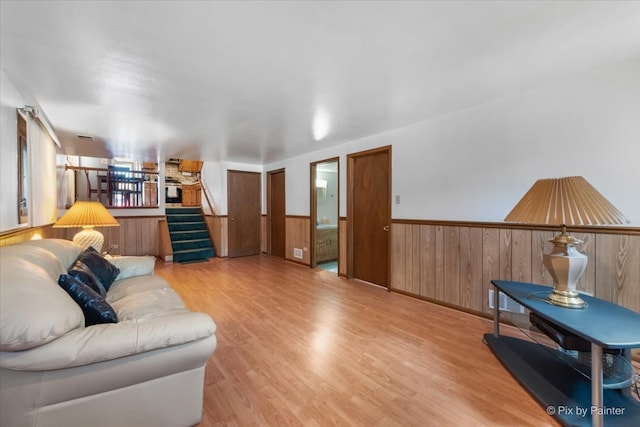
{"x": 565, "y": 201}
{"x": 87, "y": 215}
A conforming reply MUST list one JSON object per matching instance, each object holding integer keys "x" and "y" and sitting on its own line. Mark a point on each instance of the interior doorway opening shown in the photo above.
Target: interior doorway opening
{"x": 325, "y": 206}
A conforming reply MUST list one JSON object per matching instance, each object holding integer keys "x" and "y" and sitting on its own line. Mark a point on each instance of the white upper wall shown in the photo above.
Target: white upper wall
{"x": 10, "y": 99}
{"x": 41, "y": 169}
{"x": 476, "y": 164}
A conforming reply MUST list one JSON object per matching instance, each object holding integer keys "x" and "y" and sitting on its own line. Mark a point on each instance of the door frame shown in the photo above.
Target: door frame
{"x": 313, "y": 208}
{"x": 269, "y": 207}
{"x": 350, "y": 200}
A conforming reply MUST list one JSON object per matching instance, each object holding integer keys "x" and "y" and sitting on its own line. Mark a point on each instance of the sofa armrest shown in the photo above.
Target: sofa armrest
{"x": 132, "y": 266}
{"x": 110, "y": 341}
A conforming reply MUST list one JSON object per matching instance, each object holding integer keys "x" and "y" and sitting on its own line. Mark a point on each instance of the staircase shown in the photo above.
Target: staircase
{"x": 190, "y": 238}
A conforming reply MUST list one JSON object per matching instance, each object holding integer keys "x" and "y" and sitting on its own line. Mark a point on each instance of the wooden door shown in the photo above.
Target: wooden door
{"x": 276, "y": 211}
{"x": 243, "y": 200}
{"x": 369, "y": 215}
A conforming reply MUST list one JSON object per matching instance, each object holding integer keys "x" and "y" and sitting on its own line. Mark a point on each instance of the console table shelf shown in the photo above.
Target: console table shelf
{"x": 575, "y": 398}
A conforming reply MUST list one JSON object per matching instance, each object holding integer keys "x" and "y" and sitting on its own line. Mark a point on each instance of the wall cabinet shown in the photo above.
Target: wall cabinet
{"x": 191, "y": 195}
{"x": 193, "y": 166}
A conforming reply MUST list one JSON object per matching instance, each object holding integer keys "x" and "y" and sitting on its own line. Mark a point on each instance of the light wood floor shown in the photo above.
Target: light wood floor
{"x": 304, "y": 347}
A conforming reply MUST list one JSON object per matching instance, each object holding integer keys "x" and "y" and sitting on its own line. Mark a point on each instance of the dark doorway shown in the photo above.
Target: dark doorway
{"x": 276, "y": 211}
{"x": 369, "y": 215}
{"x": 243, "y": 198}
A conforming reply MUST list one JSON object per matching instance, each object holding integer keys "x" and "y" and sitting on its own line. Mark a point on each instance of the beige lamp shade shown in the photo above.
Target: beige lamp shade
{"x": 87, "y": 215}
{"x": 565, "y": 201}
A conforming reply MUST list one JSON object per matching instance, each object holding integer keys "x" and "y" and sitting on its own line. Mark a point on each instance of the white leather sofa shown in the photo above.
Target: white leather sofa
{"x": 145, "y": 370}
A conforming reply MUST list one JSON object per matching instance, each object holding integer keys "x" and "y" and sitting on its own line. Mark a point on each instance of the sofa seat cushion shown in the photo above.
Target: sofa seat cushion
{"x": 133, "y": 285}
{"x": 144, "y": 297}
{"x": 109, "y": 341}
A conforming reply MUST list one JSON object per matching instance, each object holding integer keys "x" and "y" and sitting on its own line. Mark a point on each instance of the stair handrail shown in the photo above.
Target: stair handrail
{"x": 205, "y": 191}
{"x": 213, "y": 233}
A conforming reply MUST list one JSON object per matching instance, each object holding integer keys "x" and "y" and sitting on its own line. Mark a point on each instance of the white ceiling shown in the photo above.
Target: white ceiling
{"x": 257, "y": 82}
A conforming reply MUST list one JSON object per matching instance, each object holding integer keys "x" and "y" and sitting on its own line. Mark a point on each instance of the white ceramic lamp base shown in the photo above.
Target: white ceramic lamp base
{"x": 89, "y": 237}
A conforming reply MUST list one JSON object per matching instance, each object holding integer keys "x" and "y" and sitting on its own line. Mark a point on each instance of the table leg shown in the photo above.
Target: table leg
{"x": 626, "y": 354}
{"x": 596, "y": 386}
{"x": 496, "y": 312}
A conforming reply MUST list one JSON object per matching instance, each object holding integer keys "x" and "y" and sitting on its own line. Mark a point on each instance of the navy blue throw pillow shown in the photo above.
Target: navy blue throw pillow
{"x": 83, "y": 273}
{"x": 102, "y": 269}
{"x": 95, "y": 308}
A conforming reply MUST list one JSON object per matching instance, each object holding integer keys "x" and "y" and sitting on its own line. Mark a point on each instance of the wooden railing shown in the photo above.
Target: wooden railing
{"x": 116, "y": 187}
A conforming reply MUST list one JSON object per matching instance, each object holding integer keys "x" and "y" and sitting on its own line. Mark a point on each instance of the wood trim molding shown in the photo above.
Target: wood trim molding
{"x": 613, "y": 229}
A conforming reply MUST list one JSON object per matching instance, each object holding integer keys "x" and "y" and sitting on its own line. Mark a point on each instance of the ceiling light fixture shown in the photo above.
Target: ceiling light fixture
{"x": 321, "y": 124}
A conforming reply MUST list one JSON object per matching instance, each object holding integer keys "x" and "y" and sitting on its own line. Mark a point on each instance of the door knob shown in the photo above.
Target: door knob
{"x": 385, "y": 228}
{"x": 233, "y": 219}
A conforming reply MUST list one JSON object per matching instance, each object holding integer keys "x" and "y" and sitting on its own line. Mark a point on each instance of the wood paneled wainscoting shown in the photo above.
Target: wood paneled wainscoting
{"x": 342, "y": 246}
{"x": 452, "y": 263}
{"x": 218, "y": 226}
{"x": 298, "y": 236}
{"x": 136, "y": 235}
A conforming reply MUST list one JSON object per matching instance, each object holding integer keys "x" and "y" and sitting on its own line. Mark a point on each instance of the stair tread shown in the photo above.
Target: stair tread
{"x": 189, "y": 240}
{"x": 184, "y": 251}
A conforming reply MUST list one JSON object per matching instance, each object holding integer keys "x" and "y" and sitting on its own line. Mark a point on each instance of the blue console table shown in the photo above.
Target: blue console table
{"x": 567, "y": 394}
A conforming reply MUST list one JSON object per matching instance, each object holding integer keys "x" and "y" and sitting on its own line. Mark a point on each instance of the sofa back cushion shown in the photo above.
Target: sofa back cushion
{"x": 36, "y": 255}
{"x": 33, "y": 308}
{"x": 64, "y": 250}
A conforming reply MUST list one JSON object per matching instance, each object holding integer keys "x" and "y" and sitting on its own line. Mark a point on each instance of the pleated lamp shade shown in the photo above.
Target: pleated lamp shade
{"x": 87, "y": 215}
{"x": 565, "y": 201}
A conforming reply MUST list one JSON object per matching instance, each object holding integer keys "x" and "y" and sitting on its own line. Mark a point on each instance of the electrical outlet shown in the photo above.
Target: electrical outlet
{"x": 506, "y": 303}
